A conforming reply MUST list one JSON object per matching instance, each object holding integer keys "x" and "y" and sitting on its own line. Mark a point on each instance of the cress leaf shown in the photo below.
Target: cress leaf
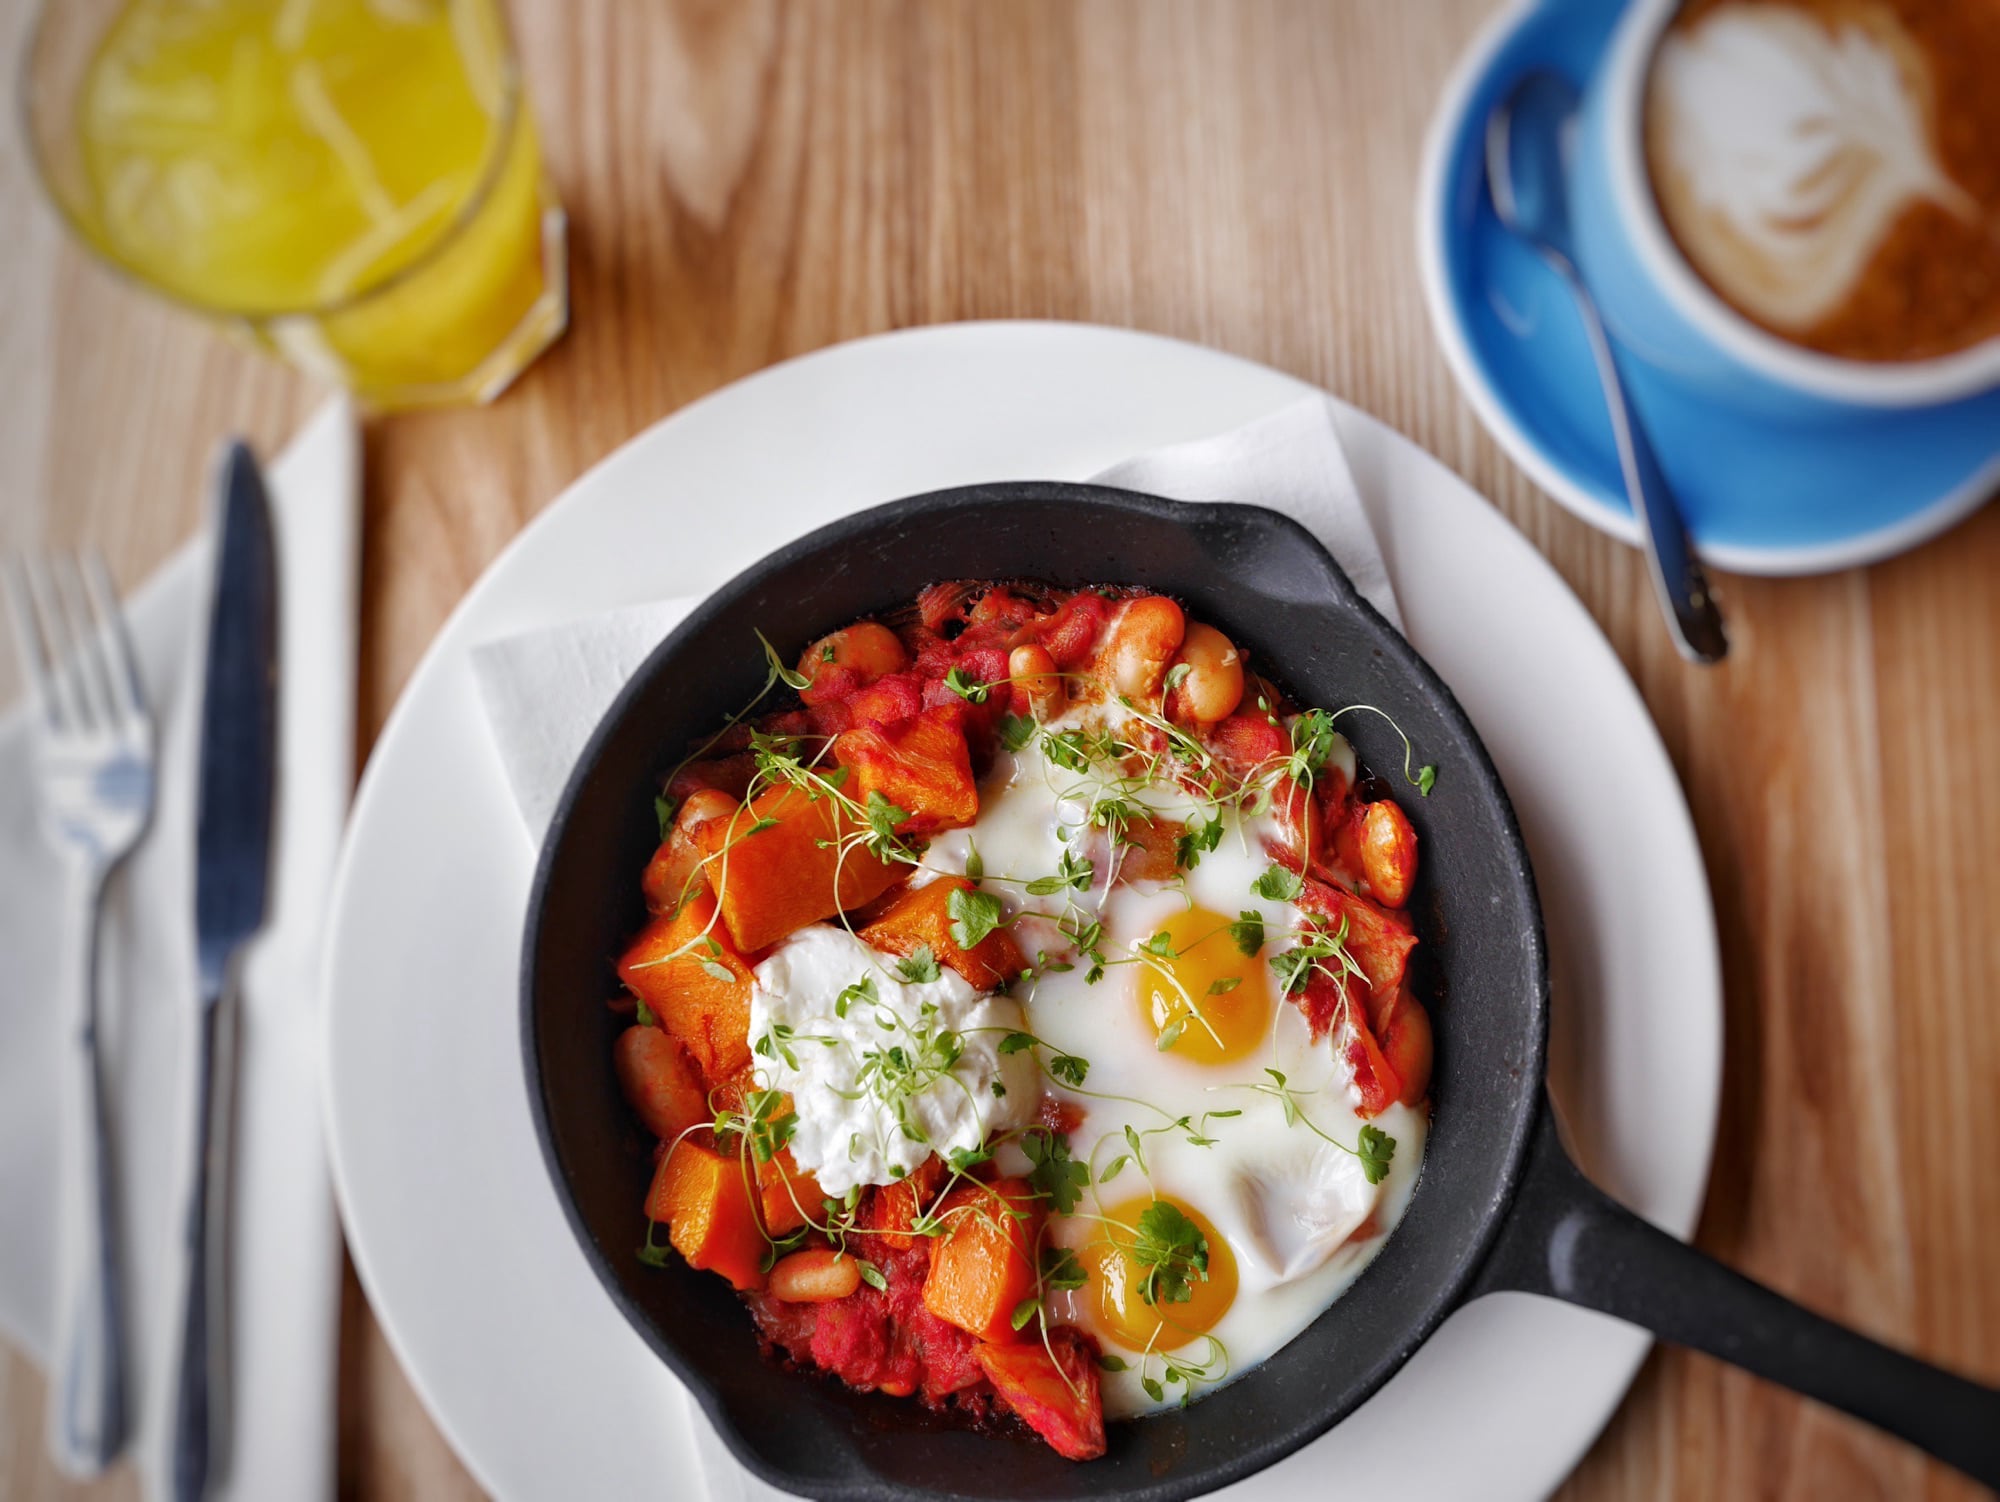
{"x": 778, "y": 669}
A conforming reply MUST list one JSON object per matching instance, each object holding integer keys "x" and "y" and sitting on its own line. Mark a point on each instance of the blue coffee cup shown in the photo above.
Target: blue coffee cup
{"x": 1661, "y": 309}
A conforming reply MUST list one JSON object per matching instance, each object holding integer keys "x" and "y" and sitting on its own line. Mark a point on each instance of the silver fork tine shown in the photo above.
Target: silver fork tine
{"x": 27, "y": 638}
{"x": 120, "y": 668}
{"x": 86, "y": 650}
{"x": 55, "y": 648}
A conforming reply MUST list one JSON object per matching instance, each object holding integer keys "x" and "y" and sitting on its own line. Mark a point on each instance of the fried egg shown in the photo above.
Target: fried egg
{"x": 1203, "y": 1092}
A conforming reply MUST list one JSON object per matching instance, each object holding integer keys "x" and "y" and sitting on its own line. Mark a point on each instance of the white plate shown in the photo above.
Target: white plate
{"x": 532, "y": 1374}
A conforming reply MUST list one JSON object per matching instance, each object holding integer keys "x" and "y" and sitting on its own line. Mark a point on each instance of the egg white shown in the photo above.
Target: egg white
{"x": 1282, "y": 1197}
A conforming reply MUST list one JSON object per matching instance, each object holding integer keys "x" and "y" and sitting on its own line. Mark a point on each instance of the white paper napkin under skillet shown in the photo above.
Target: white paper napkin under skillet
{"x": 284, "y": 1243}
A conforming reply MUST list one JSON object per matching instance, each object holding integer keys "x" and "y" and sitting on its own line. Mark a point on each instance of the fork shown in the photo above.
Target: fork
{"x": 94, "y": 760}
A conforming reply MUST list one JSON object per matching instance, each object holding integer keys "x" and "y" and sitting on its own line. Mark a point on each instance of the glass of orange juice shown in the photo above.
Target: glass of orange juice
{"x": 355, "y": 184}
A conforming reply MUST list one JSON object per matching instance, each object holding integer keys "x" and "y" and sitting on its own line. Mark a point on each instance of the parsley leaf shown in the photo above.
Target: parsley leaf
{"x": 1196, "y": 841}
{"x": 1278, "y": 884}
{"x": 1248, "y": 931}
{"x": 1293, "y": 969}
{"x": 1377, "y": 1150}
{"x": 919, "y": 966}
{"x": 1069, "y": 750}
{"x": 974, "y": 915}
{"x": 884, "y": 818}
{"x": 1068, "y": 1068}
{"x": 1172, "y": 1250}
{"x": 1055, "y": 1175}
{"x": 1061, "y": 1271}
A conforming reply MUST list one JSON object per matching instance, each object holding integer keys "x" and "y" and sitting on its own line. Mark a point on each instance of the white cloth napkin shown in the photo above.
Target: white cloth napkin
{"x": 284, "y": 1240}
{"x": 544, "y": 691}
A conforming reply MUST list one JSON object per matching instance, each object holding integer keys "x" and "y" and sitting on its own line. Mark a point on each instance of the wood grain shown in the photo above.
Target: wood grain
{"x": 751, "y": 180}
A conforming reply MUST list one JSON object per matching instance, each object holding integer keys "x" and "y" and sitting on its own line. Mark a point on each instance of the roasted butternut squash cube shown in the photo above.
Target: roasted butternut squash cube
{"x": 702, "y": 994}
{"x": 984, "y": 1263}
{"x": 789, "y": 1195}
{"x": 663, "y": 1086}
{"x": 1053, "y": 1389}
{"x": 920, "y": 917}
{"x": 791, "y": 871}
{"x": 702, "y": 1197}
{"x": 922, "y": 764}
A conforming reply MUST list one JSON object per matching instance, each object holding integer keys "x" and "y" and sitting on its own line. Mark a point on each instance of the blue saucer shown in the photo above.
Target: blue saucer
{"x": 1760, "y": 497}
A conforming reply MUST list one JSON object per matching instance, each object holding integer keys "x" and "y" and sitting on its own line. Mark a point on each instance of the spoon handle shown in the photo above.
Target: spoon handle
{"x": 1678, "y": 577}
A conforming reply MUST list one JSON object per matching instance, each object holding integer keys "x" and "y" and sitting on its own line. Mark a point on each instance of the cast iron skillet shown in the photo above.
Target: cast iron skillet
{"x": 1500, "y": 1206}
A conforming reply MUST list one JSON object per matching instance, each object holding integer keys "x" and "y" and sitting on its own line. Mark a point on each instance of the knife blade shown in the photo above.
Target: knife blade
{"x": 232, "y": 892}
{"x": 239, "y": 725}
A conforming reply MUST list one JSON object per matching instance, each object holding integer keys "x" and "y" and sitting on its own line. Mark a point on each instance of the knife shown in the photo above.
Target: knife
{"x": 232, "y": 879}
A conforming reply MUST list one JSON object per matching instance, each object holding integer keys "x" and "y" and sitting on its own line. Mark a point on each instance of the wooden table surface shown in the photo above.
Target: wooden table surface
{"x": 748, "y": 181}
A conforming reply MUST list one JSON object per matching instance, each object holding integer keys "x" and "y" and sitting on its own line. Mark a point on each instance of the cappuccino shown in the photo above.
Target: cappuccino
{"x": 1831, "y": 168}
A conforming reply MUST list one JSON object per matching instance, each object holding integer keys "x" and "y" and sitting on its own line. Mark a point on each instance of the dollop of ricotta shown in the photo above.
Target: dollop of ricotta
{"x": 882, "y": 1071}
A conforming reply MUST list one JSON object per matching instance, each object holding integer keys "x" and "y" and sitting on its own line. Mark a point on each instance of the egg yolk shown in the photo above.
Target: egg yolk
{"x": 1134, "y": 1272}
{"x": 1203, "y": 997}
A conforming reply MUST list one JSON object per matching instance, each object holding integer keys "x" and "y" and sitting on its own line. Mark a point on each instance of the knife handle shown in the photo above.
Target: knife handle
{"x": 87, "y": 1407}
{"x": 198, "y": 1386}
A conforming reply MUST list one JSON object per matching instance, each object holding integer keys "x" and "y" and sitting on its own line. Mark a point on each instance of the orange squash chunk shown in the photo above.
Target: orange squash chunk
{"x": 657, "y": 1078}
{"x": 921, "y": 764}
{"x": 791, "y": 872}
{"x": 1056, "y": 1395}
{"x": 894, "y": 1208}
{"x": 702, "y": 1197}
{"x": 710, "y": 1015}
{"x": 789, "y": 1195}
{"x": 921, "y": 917}
{"x": 984, "y": 1265}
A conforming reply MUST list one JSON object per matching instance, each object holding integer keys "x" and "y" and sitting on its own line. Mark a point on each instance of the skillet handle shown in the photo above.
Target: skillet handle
{"x": 1568, "y": 1240}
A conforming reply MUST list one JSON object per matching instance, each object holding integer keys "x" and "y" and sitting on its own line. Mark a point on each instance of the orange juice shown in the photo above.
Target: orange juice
{"x": 357, "y": 181}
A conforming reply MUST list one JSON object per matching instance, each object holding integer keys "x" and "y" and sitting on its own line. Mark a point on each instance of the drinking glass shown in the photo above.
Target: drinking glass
{"x": 354, "y": 184}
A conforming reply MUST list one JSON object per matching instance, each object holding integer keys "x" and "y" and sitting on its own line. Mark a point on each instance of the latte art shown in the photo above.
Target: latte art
{"x": 1787, "y": 151}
